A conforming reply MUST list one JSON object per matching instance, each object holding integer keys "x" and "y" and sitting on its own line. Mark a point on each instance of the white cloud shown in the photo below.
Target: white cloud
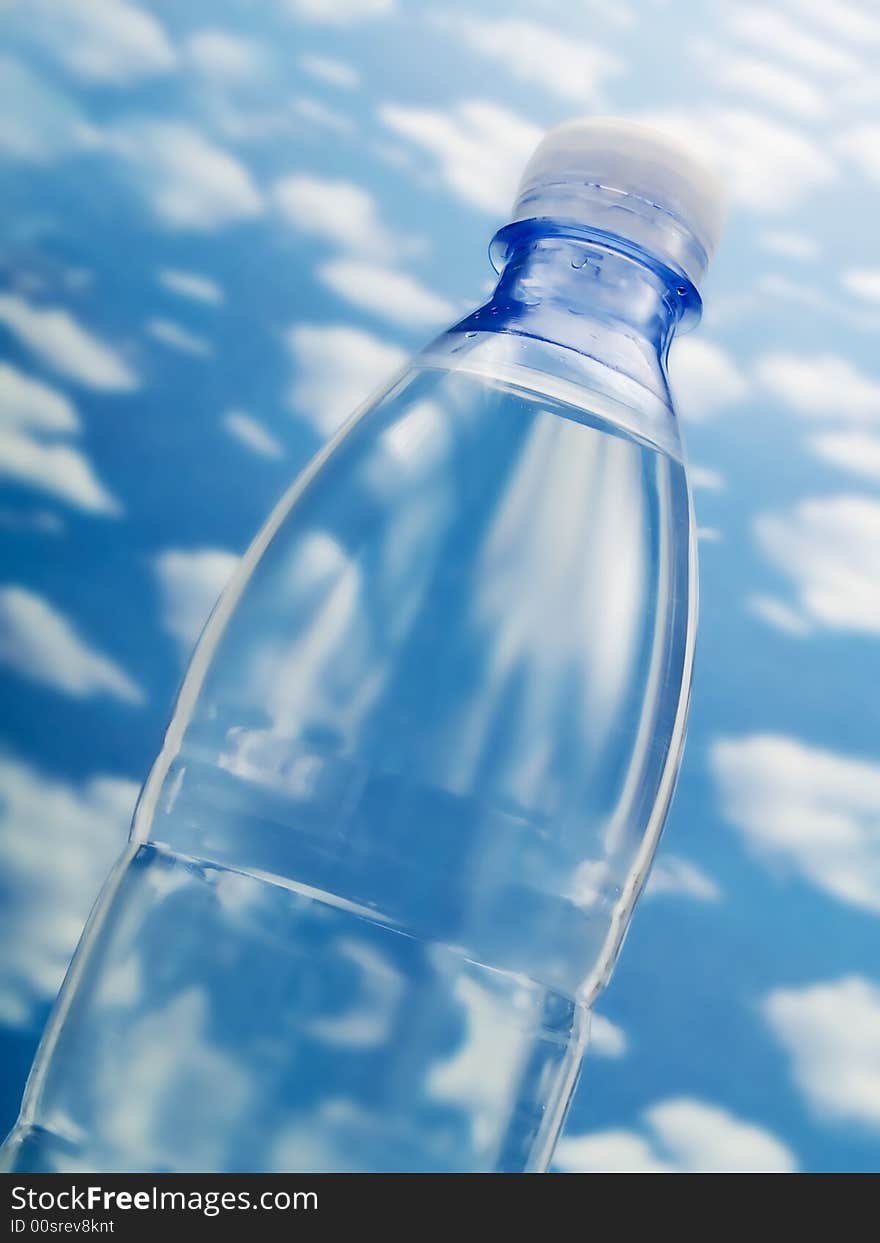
{"x": 112, "y": 42}
{"x": 682, "y": 1135}
{"x": 338, "y": 12}
{"x": 572, "y": 69}
{"x": 615, "y": 12}
{"x": 831, "y": 1032}
{"x": 861, "y": 144}
{"x": 609, "y": 1152}
{"x": 852, "y": 451}
{"x": 474, "y": 1077}
{"x": 179, "y": 338}
{"x": 373, "y": 1000}
{"x": 480, "y": 148}
{"x": 190, "y": 581}
{"x": 191, "y": 285}
{"x": 823, "y": 384}
{"x": 172, "y": 1060}
{"x": 246, "y": 429}
{"x": 809, "y": 809}
{"x": 396, "y": 296}
{"x": 188, "y": 181}
{"x": 709, "y": 535}
{"x": 806, "y": 296}
{"x": 763, "y": 80}
{"x": 780, "y": 615}
{"x": 768, "y": 165}
{"x": 706, "y": 1137}
{"x": 32, "y": 416}
{"x": 318, "y": 113}
{"x": 327, "y": 69}
{"x": 39, "y": 642}
{"x": 847, "y": 20}
{"x": 335, "y": 211}
{"x": 673, "y": 876}
{"x": 704, "y": 378}
{"x": 63, "y": 344}
{"x": 336, "y": 368}
{"x": 80, "y": 828}
{"x": 790, "y": 244}
{"x": 863, "y": 282}
{"x": 769, "y": 30}
{"x": 31, "y": 404}
{"x": 861, "y": 94}
{"x": 830, "y": 548}
{"x": 705, "y": 478}
{"x": 225, "y": 57}
{"x": 37, "y": 122}
{"x": 606, "y": 1038}
{"x": 59, "y": 469}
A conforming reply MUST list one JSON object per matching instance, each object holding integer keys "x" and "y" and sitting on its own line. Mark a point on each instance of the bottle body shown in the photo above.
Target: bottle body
{"x": 411, "y": 790}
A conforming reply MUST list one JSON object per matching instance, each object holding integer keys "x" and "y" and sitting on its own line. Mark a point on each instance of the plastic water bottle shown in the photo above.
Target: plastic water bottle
{"x": 419, "y": 764}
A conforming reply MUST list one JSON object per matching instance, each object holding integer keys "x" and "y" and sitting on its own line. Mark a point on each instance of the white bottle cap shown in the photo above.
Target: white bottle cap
{"x": 630, "y": 181}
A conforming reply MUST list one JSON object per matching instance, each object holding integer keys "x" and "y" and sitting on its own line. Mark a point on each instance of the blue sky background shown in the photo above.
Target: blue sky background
{"x": 223, "y": 224}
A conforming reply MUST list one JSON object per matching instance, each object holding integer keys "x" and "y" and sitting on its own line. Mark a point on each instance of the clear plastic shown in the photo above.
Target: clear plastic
{"x": 416, "y": 771}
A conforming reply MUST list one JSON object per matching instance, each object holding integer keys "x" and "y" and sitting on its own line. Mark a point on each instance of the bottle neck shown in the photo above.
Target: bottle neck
{"x": 582, "y": 282}
{"x": 580, "y": 315}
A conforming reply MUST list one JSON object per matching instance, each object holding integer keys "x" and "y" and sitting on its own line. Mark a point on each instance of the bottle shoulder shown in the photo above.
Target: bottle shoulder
{"x": 629, "y": 389}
